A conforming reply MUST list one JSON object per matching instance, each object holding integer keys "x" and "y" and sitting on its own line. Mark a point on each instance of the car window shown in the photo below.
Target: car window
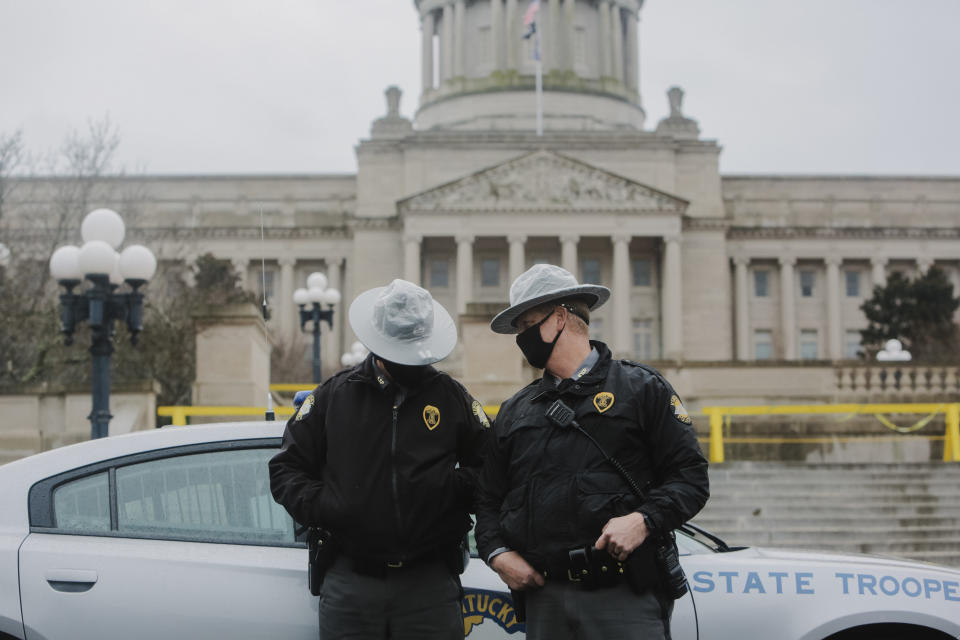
{"x": 221, "y": 496}
{"x": 83, "y": 505}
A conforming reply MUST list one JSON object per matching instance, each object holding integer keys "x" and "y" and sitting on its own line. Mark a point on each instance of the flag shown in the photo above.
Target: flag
{"x": 530, "y": 18}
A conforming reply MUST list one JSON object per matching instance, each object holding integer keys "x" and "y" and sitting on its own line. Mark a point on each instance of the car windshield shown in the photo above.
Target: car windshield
{"x": 691, "y": 539}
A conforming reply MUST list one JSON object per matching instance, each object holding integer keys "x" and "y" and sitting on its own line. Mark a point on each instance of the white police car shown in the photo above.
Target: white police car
{"x": 174, "y": 533}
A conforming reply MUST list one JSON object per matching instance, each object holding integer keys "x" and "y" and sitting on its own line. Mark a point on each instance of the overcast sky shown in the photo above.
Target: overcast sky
{"x": 273, "y": 86}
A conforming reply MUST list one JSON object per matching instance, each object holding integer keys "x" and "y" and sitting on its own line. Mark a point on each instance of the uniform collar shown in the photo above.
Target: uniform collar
{"x": 584, "y": 367}
{"x": 585, "y": 384}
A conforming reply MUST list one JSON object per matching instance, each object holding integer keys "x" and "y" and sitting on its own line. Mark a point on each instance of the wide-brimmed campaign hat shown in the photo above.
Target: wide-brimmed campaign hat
{"x": 544, "y": 283}
{"x": 402, "y": 323}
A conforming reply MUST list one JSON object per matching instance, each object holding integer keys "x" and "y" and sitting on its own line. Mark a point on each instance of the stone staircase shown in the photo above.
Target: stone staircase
{"x": 904, "y": 510}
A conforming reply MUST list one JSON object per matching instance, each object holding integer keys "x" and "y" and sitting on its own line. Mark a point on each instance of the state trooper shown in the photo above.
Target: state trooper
{"x": 385, "y": 456}
{"x": 555, "y": 518}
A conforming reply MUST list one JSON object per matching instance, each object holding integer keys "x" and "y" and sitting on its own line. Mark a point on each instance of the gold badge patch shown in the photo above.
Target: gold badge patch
{"x": 431, "y": 417}
{"x": 603, "y": 401}
{"x": 678, "y": 410}
{"x": 305, "y": 408}
{"x": 481, "y": 414}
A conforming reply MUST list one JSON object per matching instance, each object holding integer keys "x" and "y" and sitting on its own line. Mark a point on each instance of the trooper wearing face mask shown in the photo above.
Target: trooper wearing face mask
{"x": 385, "y": 456}
{"x": 585, "y": 549}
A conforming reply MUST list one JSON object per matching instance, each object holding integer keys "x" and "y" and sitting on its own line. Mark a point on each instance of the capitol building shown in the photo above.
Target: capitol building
{"x": 742, "y": 288}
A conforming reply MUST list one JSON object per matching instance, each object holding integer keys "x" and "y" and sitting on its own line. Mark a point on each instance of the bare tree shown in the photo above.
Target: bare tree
{"x": 12, "y": 159}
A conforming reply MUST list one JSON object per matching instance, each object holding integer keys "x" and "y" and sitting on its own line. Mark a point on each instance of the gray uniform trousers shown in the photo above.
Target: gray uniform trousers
{"x": 416, "y": 603}
{"x": 565, "y": 611}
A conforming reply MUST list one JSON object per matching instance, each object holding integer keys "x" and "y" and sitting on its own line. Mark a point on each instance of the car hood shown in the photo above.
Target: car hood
{"x": 803, "y": 556}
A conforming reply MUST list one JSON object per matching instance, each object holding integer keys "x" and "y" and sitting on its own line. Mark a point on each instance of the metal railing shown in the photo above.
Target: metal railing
{"x": 717, "y": 415}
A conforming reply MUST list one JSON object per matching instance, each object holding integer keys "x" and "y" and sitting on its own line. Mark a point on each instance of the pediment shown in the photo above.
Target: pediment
{"x": 543, "y": 181}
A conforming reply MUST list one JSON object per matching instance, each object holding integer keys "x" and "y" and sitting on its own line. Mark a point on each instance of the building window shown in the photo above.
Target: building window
{"x": 643, "y": 339}
{"x": 641, "y": 272}
{"x": 851, "y": 345}
{"x": 485, "y": 45}
{"x": 591, "y": 271}
{"x": 761, "y": 283}
{"x": 853, "y": 283}
{"x": 580, "y": 45}
{"x": 807, "y": 280}
{"x": 809, "y": 344}
{"x": 266, "y": 284}
{"x": 763, "y": 344}
{"x": 440, "y": 273}
{"x": 490, "y": 272}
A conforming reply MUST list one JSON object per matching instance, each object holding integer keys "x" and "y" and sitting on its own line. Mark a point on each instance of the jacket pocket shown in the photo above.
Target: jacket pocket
{"x": 601, "y": 495}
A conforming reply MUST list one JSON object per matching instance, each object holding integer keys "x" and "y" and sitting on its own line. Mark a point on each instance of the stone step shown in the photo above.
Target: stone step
{"x": 787, "y": 537}
{"x": 822, "y": 511}
{"x": 759, "y": 496}
{"x": 851, "y": 524}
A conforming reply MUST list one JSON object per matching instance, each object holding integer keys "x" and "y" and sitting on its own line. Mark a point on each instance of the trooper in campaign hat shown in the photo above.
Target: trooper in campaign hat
{"x": 384, "y": 456}
{"x": 589, "y": 471}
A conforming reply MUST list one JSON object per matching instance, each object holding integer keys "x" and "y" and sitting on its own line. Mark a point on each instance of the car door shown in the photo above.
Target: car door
{"x": 177, "y": 543}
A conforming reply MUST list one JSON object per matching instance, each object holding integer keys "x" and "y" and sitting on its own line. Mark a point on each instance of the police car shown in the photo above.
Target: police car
{"x": 174, "y": 533}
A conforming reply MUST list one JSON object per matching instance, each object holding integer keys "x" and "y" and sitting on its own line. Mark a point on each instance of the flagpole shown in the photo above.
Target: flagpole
{"x": 536, "y": 46}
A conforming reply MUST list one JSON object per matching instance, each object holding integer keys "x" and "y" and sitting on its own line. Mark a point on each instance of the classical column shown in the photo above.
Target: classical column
{"x": 621, "y": 294}
{"x": 551, "y": 31}
{"x": 834, "y": 321}
{"x": 496, "y": 33}
{"x": 742, "y": 310}
{"x": 411, "y": 258}
{"x": 332, "y": 338}
{"x": 446, "y": 43}
{"x": 241, "y": 266}
{"x": 517, "y": 256}
{"x": 632, "y": 62}
{"x": 284, "y": 302}
{"x": 464, "y": 272}
{"x": 924, "y": 264}
{"x": 788, "y": 320}
{"x": 569, "y": 34}
{"x": 616, "y": 26}
{"x": 568, "y": 253}
{"x": 512, "y": 31}
{"x": 878, "y": 271}
{"x": 606, "y": 40}
{"x": 426, "y": 55}
{"x": 672, "y": 311}
{"x": 460, "y": 38}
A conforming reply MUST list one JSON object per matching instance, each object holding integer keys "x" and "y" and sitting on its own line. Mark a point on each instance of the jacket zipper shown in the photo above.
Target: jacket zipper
{"x": 393, "y": 463}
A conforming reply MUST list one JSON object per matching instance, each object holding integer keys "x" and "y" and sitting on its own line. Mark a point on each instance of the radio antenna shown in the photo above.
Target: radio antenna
{"x": 269, "y": 416}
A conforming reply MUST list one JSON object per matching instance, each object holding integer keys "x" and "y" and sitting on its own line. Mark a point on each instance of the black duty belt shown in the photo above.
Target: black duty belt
{"x": 590, "y": 568}
{"x": 378, "y": 567}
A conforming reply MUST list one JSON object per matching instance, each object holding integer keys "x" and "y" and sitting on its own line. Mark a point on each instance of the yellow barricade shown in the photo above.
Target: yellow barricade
{"x": 715, "y": 415}
{"x": 951, "y": 411}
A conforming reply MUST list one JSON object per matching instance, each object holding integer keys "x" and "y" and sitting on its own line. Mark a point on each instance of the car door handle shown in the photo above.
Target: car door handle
{"x": 71, "y": 580}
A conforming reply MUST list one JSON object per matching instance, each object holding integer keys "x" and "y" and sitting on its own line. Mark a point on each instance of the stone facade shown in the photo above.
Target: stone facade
{"x": 706, "y": 270}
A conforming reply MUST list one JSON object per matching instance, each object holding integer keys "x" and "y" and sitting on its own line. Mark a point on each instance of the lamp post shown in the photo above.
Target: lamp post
{"x": 311, "y": 301}
{"x": 100, "y": 305}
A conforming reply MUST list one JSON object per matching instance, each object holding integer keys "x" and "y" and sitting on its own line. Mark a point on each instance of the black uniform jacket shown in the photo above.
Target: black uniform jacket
{"x": 545, "y": 489}
{"x": 378, "y": 466}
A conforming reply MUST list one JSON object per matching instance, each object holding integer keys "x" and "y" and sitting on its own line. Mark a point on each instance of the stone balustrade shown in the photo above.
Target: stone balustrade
{"x": 899, "y": 379}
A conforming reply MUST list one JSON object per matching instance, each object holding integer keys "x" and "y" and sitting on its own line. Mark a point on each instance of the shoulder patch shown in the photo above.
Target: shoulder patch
{"x": 481, "y": 414}
{"x": 679, "y": 412}
{"x": 305, "y": 408}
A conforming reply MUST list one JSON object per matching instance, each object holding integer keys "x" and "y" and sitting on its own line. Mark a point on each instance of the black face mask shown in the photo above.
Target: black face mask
{"x": 406, "y": 375}
{"x": 534, "y": 349}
